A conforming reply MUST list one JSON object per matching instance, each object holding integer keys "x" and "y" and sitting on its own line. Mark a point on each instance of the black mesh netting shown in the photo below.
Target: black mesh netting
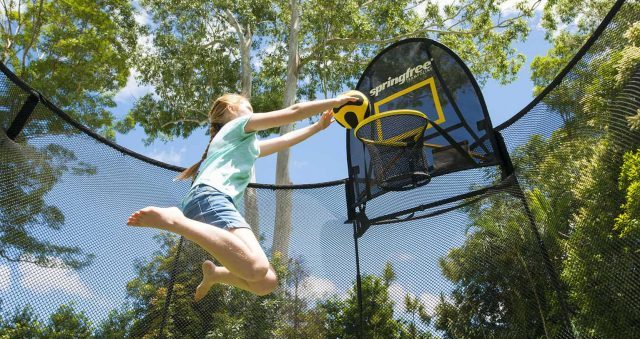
{"x": 394, "y": 142}
{"x": 551, "y": 250}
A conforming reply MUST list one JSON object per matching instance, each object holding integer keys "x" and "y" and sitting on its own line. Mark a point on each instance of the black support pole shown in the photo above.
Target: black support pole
{"x": 167, "y": 301}
{"x": 23, "y": 115}
{"x": 358, "y": 278}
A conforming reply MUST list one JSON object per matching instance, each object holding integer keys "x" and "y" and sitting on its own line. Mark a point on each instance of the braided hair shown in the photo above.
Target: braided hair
{"x": 217, "y": 119}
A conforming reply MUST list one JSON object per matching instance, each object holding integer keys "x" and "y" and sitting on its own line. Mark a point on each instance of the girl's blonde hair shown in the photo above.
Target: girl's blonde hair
{"x": 216, "y": 120}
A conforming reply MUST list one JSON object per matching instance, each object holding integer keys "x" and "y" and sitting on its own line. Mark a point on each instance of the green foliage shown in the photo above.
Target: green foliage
{"x": 21, "y": 324}
{"x": 414, "y": 307}
{"x": 501, "y": 289}
{"x": 580, "y": 17}
{"x": 225, "y": 312}
{"x": 627, "y": 224}
{"x": 377, "y": 310}
{"x": 65, "y": 322}
{"x": 193, "y": 56}
{"x": 581, "y": 191}
{"x": 77, "y": 53}
{"x": 342, "y": 317}
{"x": 601, "y": 262}
{"x": 117, "y": 325}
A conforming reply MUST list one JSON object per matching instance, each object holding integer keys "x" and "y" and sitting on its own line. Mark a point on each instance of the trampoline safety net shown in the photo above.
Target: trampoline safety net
{"x": 550, "y": 250}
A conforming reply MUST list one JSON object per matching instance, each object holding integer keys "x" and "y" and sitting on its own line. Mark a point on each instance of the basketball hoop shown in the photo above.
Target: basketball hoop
{"x": 394, "y": 140}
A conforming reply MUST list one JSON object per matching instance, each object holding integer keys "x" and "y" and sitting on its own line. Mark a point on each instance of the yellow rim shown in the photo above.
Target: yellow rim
{"x": 393, "y": 141}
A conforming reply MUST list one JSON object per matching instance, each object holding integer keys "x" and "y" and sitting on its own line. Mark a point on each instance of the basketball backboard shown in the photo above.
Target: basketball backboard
{"x": 423, "y": 75}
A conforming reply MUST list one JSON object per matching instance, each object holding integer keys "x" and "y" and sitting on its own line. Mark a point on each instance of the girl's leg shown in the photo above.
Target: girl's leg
{"x": 240, "y": 253}
{"x": 212, "y": 274}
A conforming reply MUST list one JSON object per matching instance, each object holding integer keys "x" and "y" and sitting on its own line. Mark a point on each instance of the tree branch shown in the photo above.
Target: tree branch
{"x": 36, "y": 32}
{"x": 6, "y": 14}
{"x": 366, "y": 4}
{"x": 175, "y": 122}
{"x": 460, "y": 10}
{"x": 19, "y": 16}
{"x": 406, "y": 9}
{"x": 313, "y": 53}
{"x": 212, "y": 43}
{"x": 232, "y": 21}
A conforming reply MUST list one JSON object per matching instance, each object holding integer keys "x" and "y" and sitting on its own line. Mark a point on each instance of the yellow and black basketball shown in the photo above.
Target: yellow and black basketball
{"x": 350, "y": 114}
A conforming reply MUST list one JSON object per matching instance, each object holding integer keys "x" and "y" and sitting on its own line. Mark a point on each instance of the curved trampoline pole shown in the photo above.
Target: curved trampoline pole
{"x": 167, "y": 301}
{"x": 553, "y": 276}
{"x": 358, "y": 277}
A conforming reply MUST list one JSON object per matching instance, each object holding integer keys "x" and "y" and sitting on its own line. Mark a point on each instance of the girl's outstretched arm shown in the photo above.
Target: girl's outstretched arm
{"x": 293, "y": 113}
{"x": 277, "y": 144}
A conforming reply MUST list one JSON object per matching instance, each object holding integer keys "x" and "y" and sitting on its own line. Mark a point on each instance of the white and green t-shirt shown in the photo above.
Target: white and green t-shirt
{"x": 230, "y": 159}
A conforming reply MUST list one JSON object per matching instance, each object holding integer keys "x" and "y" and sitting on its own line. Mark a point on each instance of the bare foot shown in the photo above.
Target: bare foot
{"x": 208, "y": 279}
{"x": 158, "y": 217}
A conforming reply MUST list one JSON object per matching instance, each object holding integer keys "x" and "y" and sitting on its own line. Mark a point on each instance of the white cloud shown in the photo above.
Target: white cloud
{"x": 142, "y": 17}
{"x": 318, "y": 288}
{"x": 58, "y": 279}
{"x": 5, "y": 277}
{"x": 402, "y": 256}
{"x": 170, "y": 156}
{"x": 132, "y": 90}
{"x": 430, "y": 301}
{"x": 397, "y": 293}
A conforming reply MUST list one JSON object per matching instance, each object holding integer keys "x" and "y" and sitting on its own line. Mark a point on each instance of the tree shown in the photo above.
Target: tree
{"x": 76, "y": 53}
{"x": 21, "y": 324}
{"x": 198, "y": 50}
{"x": 226, "y": 312}
{"x": 501, "y": 289}
{"x": 117, "y": 324}
{"x": 65, "y": 322}
{"x": 201, "y": 49}
{"x": 575, "y": 181}
{"x": 414, "y": 307}
{"x": 342, "y": 317}
{"x": 598, "y": 260}
{"x": 601, "y": 255}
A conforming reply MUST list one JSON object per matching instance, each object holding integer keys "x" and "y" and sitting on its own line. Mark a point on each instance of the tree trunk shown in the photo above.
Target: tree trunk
{"x": 282, "y": 231}
{"x": 245, "y": 48}
{"x": 245, "y": 39}
{"x": 251, "y": 213}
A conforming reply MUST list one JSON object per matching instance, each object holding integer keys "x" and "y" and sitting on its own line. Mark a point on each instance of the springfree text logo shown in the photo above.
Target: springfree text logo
{"x": 408, "y": 74}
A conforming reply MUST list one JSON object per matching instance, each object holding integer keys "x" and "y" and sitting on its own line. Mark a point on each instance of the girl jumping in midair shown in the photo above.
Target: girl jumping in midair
{"x": 208, "y": 215}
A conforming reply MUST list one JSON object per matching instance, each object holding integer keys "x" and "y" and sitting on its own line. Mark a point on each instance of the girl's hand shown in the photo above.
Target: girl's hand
{"x": 325, "y": 120}
{"x": 343, "y": 99}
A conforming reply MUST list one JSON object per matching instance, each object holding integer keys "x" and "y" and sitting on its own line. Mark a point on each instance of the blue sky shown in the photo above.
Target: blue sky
{"x": 320, "y": 158}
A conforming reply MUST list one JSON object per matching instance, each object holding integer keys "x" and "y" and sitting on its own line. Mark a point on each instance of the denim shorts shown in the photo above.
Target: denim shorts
{"x": 206, "y": 204}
